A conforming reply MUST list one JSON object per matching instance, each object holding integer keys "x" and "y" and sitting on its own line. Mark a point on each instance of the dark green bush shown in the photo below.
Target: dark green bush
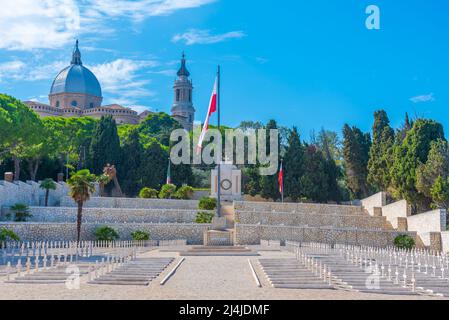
{"x": 184, "y": 193}
{"x": 140, "y": 236}
{"x": 21, "y": 212}
{"x": 207, "y": 203}
{"x": 106, "y": 234}
{"x": 7, "y": 235}
{"x": 404, "y": 242}
{"x": 204, "y": 217}
{"x": 148, "y": 193}
{"x": 167, "y": 191}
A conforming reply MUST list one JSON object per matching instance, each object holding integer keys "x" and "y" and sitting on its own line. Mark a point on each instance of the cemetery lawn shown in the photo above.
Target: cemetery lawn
{"x": 198, "y": 278}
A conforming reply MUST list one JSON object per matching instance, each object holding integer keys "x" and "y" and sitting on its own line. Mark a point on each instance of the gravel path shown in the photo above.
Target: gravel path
{"x": 198, "y": 278}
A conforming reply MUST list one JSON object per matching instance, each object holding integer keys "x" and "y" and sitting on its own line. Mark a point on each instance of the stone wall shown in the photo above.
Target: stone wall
{"x": 311, "y": 220}
{"x": 111, "y": 215}
{"x": 378, "y": 200}
{"x": 298, "y": 208}
{"x": 193, "y": 233}
{"x": 252, "y": 234}
{"x": 396, "y": 210}
{"x": 30, "y": 193}
{"x": 445, "y": 241}
{"x": 133, "y": 203}
{"x": 432, "y": 221}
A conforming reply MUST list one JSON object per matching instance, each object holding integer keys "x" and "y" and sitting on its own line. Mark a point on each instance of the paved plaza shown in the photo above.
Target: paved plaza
{"x": 197, "y": 278}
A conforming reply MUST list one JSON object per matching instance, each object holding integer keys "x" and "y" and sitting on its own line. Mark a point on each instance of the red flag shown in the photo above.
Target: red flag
{"x": 212, "y": 109}
{"x": 281, "y": 180}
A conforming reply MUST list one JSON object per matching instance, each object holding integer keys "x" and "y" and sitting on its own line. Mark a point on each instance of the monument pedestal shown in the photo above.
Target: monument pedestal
{"x": 216, "y": 238}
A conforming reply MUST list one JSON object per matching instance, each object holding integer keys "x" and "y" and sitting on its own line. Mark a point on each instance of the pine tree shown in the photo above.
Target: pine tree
{"x": 381, "y": 152}
{"x": 105, "y": 146}
{"x": 130, "y": 168}
{"x": 356, "y": 147}
{"x": 293, "y": 166}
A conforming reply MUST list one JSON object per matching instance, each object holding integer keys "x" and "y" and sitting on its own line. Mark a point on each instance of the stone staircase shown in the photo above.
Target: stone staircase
{"x": 219, "y": 251}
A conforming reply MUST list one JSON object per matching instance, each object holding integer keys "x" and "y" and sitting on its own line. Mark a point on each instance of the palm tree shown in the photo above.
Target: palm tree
{"x": 82, "y": 185}
{"x": 102, "y": 181}
{"x": 47, "y": 184}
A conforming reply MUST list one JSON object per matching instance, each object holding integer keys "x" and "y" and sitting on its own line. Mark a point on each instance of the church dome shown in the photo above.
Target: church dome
{"x": 76, "y": 79}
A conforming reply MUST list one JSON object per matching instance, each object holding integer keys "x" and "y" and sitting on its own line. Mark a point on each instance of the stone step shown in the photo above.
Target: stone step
{"x": 120, "y": 283}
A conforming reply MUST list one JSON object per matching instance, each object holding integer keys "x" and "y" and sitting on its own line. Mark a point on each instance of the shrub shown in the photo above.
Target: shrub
{"x": 184, "y": 193}
{"x": 148, "y": 193}
{"x": 207, "y": 203}
{"x": 404, "y": 242}
{"x": 204, "y": 217}
{"x": 140, "y": 236}
{"x": 106, "y": 234}
{"x": 21, "y": 212}
{"x": 7, "y": 235}
{"x": 167, "y": 191}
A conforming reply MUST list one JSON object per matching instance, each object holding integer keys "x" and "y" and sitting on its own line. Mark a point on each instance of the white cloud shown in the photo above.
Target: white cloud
{"x": 43, "y": 24}
{"x": 139, "y": 9}
{"x": 195, "y": 36}
{"x": 423, "y": 98}
{"x": 51, "y": 24}
{"x": 121, "y": 80}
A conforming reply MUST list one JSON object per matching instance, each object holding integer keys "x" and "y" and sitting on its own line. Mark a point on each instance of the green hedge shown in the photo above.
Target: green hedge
{"x": 204, "y": 217}
{"x": 404, "y": 242}
{"x": 207, "y": 203}
{"x": 140, "y": 236}
{"x": 106, "y": 234}
{"x": 148, "y": 193}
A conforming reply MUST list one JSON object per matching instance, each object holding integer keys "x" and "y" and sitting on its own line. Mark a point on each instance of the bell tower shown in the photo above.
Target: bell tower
{"x": 183, "y": 110}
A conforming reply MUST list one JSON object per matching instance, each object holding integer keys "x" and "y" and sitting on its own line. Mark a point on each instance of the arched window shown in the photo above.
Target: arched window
{"x": 178, "y": 95}
{"x": 91, "y": 105}
{"x": 74, "y": 103}
{"x": 190, "y": 95}
{"x": 58, "y": 104}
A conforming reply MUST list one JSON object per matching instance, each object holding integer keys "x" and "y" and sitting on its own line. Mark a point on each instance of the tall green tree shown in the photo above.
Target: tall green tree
{"x": 314, "y": 182}
{"x": 105, "y": 145}
{"x": 437, "y": 165}
{"x": 381, "y": 152}
{"x": 293, "y": 166}
{"x": 356, "y": 147}
{"x": 154, "y": 166}
{"x": 409, "y": 156}
{"x": 131, "y": 180}
{"x": 269, "y": 184}
{"x": 20, "y": 130}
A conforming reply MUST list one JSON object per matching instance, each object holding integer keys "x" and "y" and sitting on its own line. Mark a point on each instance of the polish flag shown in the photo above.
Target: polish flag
{"x": 212, "y": 110}
{"x": 281, "y": 180}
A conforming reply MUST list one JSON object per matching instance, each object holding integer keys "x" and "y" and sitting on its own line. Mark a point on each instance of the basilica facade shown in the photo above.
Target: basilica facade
{"x": 76, "y": 92}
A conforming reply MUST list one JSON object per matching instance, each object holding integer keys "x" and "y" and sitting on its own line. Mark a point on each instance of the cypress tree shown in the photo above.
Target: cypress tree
{"x": 130, "y": 168}
{"x": 154, "y": 166}
{"x": 293, "y": 166}
{"x": 314, "y": 182}
{"x": 381, "y": 152}
{"x": 105, "y": 146}
{"x": 356, "y": 147}
{"x": 269, "y": 184}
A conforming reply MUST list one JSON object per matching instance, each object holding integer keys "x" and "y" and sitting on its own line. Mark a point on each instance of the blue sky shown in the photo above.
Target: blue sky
{"x": 311, "y": 64}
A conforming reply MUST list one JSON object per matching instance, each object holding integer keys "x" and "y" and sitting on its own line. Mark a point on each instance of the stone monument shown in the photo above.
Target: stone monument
{"x": 231, "y": 182}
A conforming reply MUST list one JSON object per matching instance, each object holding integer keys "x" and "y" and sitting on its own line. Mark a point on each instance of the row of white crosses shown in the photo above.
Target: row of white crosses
{"x": 398, "y": 265}
{"x": 111, "y": 263}
{"x": 318, "y": 268}
{"x": 49, "y": 254}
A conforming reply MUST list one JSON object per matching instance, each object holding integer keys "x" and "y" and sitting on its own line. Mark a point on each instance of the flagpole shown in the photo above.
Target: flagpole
{"x": 220, "y": 155}
{"x": 282, "y": 166}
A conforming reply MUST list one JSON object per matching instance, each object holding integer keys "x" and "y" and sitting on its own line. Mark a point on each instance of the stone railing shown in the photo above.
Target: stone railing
{"x": 298, "y": 208}
{"x": 133, "y": 203}
{"x": 252, "y": 234}
{"x": 311, "y": 219}
{"x": 193, "y": 233}
{"x": 111, "y": 215}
